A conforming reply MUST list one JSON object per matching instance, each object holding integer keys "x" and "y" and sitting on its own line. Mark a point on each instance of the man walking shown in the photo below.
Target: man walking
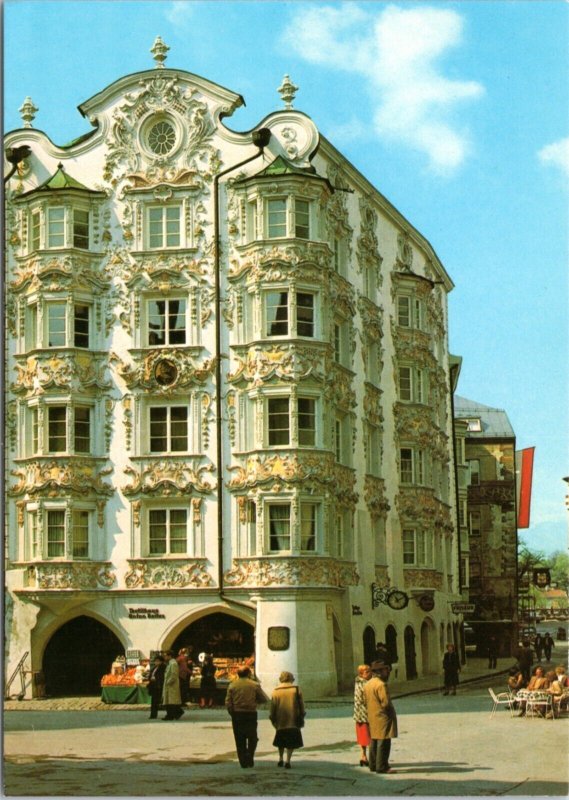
{"x": 241, "y": 701}
{"x": 171, "y": 698}
{"x": 382, "y": 718}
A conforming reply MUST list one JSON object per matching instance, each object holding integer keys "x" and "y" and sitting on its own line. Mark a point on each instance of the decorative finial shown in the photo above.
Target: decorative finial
{"x": 159, "y": 50}
{"x": 28, "y": 111}
{"x": 287, "y": 91}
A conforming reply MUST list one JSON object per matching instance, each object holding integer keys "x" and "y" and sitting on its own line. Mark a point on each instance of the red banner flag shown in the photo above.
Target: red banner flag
{"x": 524, "y": 475}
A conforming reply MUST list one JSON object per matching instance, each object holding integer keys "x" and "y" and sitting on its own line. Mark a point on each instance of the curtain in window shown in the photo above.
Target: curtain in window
{"x": 279, "y": 527}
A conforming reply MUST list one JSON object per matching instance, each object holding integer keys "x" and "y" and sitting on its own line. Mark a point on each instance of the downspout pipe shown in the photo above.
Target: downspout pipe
{"x": 260, "y": 139}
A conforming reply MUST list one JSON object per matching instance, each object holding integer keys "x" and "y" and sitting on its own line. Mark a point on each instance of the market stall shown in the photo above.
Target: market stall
{"x": 225, "y": 672}
{"x": 126, "y": 683}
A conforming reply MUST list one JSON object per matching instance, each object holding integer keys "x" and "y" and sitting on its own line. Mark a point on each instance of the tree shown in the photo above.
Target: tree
{"x": 560, "y": 570}
{"x": 527, "y": 560}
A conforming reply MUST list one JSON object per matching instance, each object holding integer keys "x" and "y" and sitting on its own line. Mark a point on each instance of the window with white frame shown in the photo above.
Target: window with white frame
{"x": 167, "y": 531}
{"x": 339, "y": 257}
{"x": 168, "y": 427}
{"x": 342, "y": 438}
{"x": 35, "y": 230}
{"x": 63, "y": 435}
{"x": 462, "y": 513}
{"x": 373, "y": 449}
{"x": 308, "y": 526}
{"x": 163, "y": 227}
{"x": 412, "y": 384}
{"x": 66, "y": 227}
{"x": 287, "y": 216}
{"x": 412, "y": 466}
{"x": 373, "y": 364}
{"x": 475, "y": 522}
{"x": 66, "y": 325}
{"x": 68, "y": 533}
{"x": 340, "y": 341}
{"x": 251, "y": 517}
{"x": 167, "y": 321}
{"x": 34, "y": 544}
{"x": 279, "y": 524}
{"x": 417, "y": 548}
{"x": 280, "y": 424}
{"x": 338, "y": 535}
{"x": 410, "y": 312}
{"x": 290, "y": 313}
{"x": 474, "y": 470}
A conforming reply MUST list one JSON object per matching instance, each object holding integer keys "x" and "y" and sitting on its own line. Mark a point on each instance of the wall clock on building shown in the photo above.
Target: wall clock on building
{"x": 397, "y": 600}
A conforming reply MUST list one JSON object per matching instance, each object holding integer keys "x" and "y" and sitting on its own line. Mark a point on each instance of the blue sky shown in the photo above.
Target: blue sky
{"x": 456, "y": 112}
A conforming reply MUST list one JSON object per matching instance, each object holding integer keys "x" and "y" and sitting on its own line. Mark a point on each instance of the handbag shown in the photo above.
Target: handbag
{"x": 299, "y": 714}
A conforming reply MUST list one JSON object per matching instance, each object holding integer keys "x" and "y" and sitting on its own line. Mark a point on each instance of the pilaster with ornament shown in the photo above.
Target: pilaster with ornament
{"x": 368, "y": 256}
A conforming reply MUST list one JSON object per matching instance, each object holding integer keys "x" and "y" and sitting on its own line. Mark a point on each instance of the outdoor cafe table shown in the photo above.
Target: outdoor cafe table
{"x": 136, "y": 694}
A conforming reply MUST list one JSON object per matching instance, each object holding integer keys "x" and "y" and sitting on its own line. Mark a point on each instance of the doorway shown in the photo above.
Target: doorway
{"x": 77, "y": 656}
{"x": 410, "y": 653}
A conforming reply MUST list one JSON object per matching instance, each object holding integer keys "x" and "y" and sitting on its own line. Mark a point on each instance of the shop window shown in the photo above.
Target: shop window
{"x": 164, "y": 227}
{"x": 166, "y": 322}
{"x": 412, "y": 466}
{"x": 417, "y": 548}
{"x": 290, "y": 313}
{"x": 168, "y": 429}
{"x": 279, "y": 526}
{"x": 167, "y": 531}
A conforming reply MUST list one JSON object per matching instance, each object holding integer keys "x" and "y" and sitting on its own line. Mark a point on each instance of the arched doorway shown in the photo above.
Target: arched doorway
{"x": 391, "y": 643}
{"x": 369, "y": 645}
{"x": 410, "y": 654}
{"x": 77, "y": 656}
{"x": 428, "y": 636}
{"x": 222, "y": 635}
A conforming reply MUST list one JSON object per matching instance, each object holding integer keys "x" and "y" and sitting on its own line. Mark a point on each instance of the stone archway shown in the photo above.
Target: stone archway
{"x": 428, "y": 640}
{"x": 391, "y": 643}
{"x": 223, "y": 635}
{"x": 369, "y": 644}
{"x": 76, "y": 657}
{"x": 410, "y": 653}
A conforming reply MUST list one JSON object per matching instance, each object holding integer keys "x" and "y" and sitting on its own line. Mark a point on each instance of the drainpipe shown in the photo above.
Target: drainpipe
{"x": 261, "y": 139}
{"x": 462, "y": 653}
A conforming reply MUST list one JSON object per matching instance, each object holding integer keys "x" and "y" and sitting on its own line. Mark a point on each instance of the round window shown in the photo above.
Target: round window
{"x": 161, "y": 137}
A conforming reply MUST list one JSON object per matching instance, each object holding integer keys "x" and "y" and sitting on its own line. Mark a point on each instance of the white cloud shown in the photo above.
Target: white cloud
{"x": 557, "y": 154}
{"x": 396, "y": 51}
{"x": 180, "y": 12}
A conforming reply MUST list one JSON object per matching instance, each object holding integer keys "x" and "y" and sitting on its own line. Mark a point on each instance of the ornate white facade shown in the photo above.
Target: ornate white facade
{"x": 228, "y": 389}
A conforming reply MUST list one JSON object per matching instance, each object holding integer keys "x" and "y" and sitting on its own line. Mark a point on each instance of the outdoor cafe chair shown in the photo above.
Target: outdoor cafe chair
{"x": 539, "y": 704}
{"x": 502, "y": 699}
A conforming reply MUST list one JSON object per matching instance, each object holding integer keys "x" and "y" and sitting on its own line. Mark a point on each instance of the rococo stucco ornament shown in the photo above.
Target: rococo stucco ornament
{"x": 168, "y": 574}
{"x": 169, "y": 478}
{"x": 284, "y": 571}
{"x": 71, "y": 371}
{"x": 145, "y": 373}
{"x": 285, "y": 362}
{"x": 80, "y": 576}
{"x": 55, "y": 478}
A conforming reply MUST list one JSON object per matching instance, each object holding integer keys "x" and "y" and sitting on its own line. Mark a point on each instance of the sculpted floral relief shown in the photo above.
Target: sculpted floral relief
{"x": 54, "y": 478}
{"x": 145, "y": 372}
{"x": 285, "y": 362}
{"x": 291, "y": 572}
{"x": 60, "y": 274}
{"x": 269, "y": 262}
{"x": 169, "y": 478}
{"x": 70, "y": 576}
{"x": 374, "y": 496}
{"x": 422, "y": 578}
{"x": 71, "y": 371}
{"x": 168, "y": 574}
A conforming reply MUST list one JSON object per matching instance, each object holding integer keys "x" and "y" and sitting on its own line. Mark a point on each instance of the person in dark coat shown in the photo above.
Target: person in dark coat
{"x": 208, "y": 684}
{"x": 156, "y": 684}
{"x": 451, "y": 668}
{"x": 185, "y": 674}
{"x": 382, "y": 653}
{"x": 538, "y": 646}
{"x": 493, "y": 649}
{"x": 243, "y": 696}
{"x": 548, "y": 646}
{"x": 525, "y": 660}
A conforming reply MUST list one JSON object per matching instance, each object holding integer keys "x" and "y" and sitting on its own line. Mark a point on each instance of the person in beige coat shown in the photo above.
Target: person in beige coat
{"x": 171, "y": 697}
{"x": 382, "y": 718}
{"x": 287, "y": 716}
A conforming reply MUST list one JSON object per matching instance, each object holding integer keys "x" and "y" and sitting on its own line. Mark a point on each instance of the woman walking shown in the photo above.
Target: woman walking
{"x": 208, "y": 684}
{"x": 360, "y": 712}
{"x": 451, "y": 668}
{"x": 287, "y": 716}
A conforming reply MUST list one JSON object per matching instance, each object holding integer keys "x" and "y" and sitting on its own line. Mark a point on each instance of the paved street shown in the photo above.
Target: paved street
{"x": 447, "y": 746}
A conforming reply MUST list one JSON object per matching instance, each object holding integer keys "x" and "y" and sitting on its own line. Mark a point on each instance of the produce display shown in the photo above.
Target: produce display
{"x": 118, "y": 679}
{"x": 123, "y": 675}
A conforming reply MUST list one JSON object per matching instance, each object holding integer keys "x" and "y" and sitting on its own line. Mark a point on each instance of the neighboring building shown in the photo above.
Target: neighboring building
{"x": 229, "y": 410}
{"x": 492, "y": 531}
